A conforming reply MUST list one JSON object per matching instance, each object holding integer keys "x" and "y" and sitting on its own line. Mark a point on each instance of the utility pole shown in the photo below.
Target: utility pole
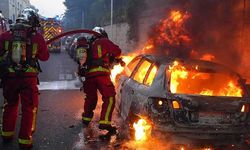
{"x": 83, "y": 17}
{"x": 111, "y": 19}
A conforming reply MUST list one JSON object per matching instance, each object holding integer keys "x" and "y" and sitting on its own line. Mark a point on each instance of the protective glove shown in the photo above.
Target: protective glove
{"x": 120, "y": 61}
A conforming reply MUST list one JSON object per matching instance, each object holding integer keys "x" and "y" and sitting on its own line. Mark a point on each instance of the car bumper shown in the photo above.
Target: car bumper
{"x": 205, "y": 132}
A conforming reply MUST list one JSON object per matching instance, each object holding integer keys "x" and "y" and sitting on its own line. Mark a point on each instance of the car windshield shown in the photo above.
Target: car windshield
{"x": 202, "y": 81}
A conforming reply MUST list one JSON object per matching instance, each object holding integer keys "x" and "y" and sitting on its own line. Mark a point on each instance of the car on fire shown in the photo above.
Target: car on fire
{"x": 185, "y": 99}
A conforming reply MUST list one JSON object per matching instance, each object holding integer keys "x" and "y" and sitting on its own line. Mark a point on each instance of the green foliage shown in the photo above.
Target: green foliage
{"x": 91, "y": 13}
{"x": 73, "y": 15}
{"x": 95, "y": 13}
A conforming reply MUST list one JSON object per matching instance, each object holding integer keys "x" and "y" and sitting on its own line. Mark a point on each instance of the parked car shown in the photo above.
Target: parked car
{"x": 68, "y": 42}
{"x": 72, "y": 48}
{"x": 55, "y": 47}
{"x": 210, "y": 104}
{"x": 3, "y": 23}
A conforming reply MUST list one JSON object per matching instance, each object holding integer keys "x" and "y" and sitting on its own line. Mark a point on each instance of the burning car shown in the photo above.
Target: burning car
{"x": 185, "y": 99}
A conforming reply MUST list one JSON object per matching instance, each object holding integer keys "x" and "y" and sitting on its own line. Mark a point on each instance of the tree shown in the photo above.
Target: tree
{"x": 89, "y": 13}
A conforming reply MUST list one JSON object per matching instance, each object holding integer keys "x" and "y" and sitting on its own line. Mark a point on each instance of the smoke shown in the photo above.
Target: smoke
{"x": 215, "y": 27}
{"x": 170, "y": 37}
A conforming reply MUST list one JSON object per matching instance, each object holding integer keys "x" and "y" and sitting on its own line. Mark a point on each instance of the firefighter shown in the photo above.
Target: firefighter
{"x": 20, "y": 50}
{"x": 102, "y": 51}
{"x": 82, "y": 49}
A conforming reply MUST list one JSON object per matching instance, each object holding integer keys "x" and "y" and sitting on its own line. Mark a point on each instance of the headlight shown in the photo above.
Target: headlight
{"x": 176, "y": 104}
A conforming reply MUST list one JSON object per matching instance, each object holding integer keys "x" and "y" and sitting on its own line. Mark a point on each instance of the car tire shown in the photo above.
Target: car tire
{"x": 126, "y": 129}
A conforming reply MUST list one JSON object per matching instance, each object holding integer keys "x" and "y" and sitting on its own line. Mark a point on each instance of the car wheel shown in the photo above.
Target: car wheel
{"x": 126, "y": 129}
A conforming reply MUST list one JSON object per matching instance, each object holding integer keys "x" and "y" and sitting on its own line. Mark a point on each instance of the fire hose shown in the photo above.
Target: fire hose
{"x": 119, "y": 60}
{"x": 116, "y": 60}
{"x": 70, "y": 33}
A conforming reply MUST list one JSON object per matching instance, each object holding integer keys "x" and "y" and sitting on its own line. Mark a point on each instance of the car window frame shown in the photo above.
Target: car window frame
{"x": 148, "y": 72}
{"x": 137, "y": 67}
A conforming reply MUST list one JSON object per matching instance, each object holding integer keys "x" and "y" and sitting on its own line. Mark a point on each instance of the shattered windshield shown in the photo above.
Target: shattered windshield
{"x": 202, "y": 81}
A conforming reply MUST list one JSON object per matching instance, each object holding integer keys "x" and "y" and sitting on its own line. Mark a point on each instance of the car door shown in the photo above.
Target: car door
{"x": 124, "y": 91}
{"x": 134, "y": 88}
{"x": 143, "y": 79}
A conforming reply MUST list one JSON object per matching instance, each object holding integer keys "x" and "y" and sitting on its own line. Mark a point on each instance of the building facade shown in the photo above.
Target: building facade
{"x": 11, "y": 8}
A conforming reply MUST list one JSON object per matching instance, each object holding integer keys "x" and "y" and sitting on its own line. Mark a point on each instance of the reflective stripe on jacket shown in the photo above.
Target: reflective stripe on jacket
{"x": 101, "y": 51}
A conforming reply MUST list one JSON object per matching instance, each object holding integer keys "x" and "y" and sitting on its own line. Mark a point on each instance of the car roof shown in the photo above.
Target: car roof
{"x": 164, "y": 60}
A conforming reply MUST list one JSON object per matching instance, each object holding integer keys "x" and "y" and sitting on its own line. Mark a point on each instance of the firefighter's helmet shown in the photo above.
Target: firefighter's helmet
{"x": 28, "y": 16}
{"x": 101, "y": 31}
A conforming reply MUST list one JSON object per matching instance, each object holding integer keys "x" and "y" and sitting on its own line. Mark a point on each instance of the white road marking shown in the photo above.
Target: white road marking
{"x": 60, "y": 85}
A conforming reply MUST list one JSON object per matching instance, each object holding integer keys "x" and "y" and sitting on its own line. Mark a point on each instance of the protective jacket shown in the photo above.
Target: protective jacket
{"x": 98, "y": 78}
{"x": 102, "y": 51}
{"x": 17, "y": 57}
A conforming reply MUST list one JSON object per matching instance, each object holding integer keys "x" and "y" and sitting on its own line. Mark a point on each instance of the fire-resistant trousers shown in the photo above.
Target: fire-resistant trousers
{"x": 107, "y": 90}
{"x": 26, "y": 90}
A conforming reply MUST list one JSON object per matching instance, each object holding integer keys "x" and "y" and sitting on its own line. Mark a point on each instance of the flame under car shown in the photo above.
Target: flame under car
{"x": 193, "y": 100}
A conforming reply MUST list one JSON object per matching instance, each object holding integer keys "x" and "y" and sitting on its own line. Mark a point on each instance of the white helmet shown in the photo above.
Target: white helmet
{"x": 28, "y": 16}
{"x": 101, "y": 31}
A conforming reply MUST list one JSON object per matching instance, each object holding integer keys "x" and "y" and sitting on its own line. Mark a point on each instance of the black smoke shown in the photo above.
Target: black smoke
{"x": 215, "y": 27}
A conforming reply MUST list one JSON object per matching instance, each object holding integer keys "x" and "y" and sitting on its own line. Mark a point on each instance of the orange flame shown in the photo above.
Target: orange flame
{"x": 178, "y": 72}
{"x": 207, "y": 92}
{"x": 117, "y": 69}
{"x": 231, "y": 90}
{"x": 170, "y": 31}
{"x": 142, "y": 130}
{"x": 207, "y": 57}
{"x": 194, "y": 82}
{"x": 176, "y": 16}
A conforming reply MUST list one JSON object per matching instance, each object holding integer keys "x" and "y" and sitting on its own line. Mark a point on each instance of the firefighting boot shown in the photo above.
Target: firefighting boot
{"x": 85, "y": 124}
{"x": 111, "y": 129}
{"x": 6, "y": 139}
{"x": 85, "y": 121}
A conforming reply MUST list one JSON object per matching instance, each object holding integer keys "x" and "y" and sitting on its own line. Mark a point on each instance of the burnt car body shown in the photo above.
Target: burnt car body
{"x": 213, "y": 119}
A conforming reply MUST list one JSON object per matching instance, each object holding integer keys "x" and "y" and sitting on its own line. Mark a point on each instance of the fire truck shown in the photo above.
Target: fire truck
{"x": 51, "y": 27}
{"x": 3, "y": 26}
